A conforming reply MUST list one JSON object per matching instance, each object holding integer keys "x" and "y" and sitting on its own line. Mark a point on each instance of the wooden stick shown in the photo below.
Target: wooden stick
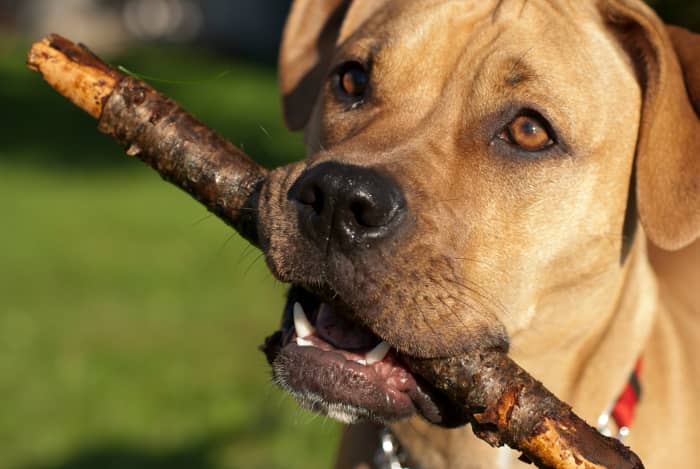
{"x": 155, "y": 129}
{"x": 505, "y": 404}
{"x": 75, "y": 72}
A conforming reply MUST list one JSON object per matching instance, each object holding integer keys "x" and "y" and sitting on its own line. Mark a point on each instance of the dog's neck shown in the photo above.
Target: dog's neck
{"x": 585, "y": 344}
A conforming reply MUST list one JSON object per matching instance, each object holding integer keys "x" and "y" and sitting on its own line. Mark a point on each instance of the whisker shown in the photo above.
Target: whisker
{"x": 205, "y": 217}
{"x": 228, "y": 240}
{"x": 453, "y": 312}
{"x": 245, "y": 252}
{"x": 474, "y": 261}
{"x": 424, "y": 318}
{"x": 247, "y": 271}
{"x": 484, "y": 300}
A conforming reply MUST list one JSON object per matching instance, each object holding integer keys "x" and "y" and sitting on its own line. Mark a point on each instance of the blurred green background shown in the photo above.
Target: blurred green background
{"x": 129, "y": 317}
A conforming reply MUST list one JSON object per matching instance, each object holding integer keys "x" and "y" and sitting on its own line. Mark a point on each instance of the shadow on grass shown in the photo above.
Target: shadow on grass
{"x": 204, "y": 453}
{"x": 115, "y": 456}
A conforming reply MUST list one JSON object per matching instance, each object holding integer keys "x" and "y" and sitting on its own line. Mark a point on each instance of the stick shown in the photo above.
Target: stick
{"x": 506, "y": 405}
{"x": 156, "y": 130}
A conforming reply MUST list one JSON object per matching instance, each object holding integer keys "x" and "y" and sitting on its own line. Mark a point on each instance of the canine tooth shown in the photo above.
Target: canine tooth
{"x": 378, "y": 353}
{"x": 361, "y": 361}
{"x": 304, "y": 343}
{"x": 301, "y": 323}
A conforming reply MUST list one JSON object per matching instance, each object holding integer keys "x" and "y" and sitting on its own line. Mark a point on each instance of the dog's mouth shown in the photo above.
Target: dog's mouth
{"x": 336, "y": 366}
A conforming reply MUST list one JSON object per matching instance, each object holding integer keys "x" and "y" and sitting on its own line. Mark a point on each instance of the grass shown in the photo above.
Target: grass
{"x": 129, "y": 317}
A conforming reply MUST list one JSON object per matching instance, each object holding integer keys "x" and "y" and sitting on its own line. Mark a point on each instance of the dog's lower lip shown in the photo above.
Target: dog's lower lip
{"x": 368, "y": 376}
{"x": 384, "y": 391}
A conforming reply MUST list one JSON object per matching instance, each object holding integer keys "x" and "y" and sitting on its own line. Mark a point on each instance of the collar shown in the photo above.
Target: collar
{"x": 623, "y": 408}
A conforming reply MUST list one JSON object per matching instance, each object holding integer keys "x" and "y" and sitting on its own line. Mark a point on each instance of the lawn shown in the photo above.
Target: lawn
{"x": 129, "y": 317}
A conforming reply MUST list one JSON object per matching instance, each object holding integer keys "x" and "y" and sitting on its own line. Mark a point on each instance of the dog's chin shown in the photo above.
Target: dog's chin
{"x": 336, "y": 367}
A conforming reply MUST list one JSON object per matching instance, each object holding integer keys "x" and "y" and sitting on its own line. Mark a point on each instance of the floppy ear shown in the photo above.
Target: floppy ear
{"x": 668, "y": 148}
{"x": 308, "y": 41}
{"x": 311, "y": 33}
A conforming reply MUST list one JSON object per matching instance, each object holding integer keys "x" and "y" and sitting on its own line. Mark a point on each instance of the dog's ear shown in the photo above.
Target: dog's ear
{"x": 308, "y": 41}
{"x": 311, "y": 33}
{"x": 668, "y": 148}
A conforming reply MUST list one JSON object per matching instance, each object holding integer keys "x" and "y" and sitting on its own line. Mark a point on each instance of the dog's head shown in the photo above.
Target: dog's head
{"x": 475, "y": 167}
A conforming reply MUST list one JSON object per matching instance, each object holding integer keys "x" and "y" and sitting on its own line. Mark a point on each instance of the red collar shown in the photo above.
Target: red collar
{"x": 622, "y": 410}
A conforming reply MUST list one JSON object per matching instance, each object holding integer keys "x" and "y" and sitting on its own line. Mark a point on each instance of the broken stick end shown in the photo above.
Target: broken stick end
{"x": 74, "y": 71}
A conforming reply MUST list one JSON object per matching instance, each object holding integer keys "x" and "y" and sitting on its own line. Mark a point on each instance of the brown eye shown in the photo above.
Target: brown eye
{"x": 353, "y": 80}
{"x": 529, "y": 133}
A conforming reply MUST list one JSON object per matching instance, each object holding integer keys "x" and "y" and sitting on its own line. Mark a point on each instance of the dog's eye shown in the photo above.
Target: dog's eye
{"x": 353, "y": 80}
{"x": 529, "y": 131}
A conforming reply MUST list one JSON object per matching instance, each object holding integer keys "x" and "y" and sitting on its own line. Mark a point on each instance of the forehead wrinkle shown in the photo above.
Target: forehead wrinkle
{"x": 561, "y": 8}
{"x": 495, "y": 16}
{"x": 520, "y": 71}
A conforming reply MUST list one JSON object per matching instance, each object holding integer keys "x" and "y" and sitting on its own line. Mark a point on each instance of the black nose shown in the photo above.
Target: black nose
{"x": 350, "y": 206}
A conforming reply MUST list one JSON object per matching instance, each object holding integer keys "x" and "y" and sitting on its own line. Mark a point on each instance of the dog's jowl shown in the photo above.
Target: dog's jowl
{"x": 513, "y": 174}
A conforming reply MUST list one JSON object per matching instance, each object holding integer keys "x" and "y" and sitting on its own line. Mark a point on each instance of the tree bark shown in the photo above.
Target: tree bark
{"x": 506, "y": 405}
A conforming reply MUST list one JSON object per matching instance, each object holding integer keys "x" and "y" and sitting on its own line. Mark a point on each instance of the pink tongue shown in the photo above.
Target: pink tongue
{"x": 341, "y": 332}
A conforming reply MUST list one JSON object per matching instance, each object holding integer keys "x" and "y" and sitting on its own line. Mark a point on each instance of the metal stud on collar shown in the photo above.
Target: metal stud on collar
{"x": 389, "y": 454}
{"x": 603, "y": 427}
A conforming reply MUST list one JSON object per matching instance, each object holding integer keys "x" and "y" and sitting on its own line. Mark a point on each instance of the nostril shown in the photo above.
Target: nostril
{"x": 317, "y": 203}
{"x": 367, "y": 214}
{"x": 312, "y": 195}
{"x": 359, "y": 210}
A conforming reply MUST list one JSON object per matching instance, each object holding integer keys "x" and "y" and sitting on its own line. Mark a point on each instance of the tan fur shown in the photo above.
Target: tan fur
{"x": 529, "y": 247}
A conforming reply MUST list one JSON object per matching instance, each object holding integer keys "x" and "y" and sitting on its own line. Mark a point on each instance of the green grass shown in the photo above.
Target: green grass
{"x": 129, "y": 317}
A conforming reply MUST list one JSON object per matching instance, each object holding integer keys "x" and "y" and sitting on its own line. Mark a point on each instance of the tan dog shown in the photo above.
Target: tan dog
{"x": 486, "y": 173}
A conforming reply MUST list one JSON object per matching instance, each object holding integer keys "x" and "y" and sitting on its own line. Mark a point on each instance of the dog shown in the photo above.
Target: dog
{"x": 513, "y": 174}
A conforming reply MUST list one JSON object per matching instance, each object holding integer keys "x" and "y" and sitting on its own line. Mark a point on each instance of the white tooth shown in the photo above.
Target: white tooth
{"x": 361, "y": 361}
{"x": 301, "y": 323}
{"x": 377, "y": 354}
{"x": 304, "y": 343}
